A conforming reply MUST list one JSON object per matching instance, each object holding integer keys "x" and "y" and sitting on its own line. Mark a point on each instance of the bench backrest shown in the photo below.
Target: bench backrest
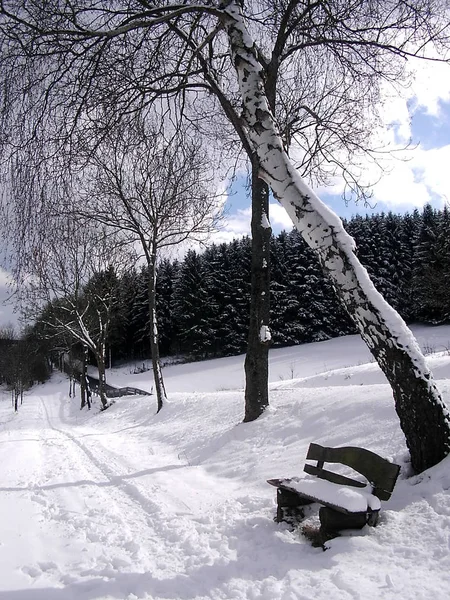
{"x": 380, "y": 473}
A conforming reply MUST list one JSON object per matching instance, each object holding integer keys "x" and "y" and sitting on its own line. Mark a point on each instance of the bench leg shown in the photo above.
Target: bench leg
{"x": 332, "y": 520}
{"x": 290, "y": 506}
{"x": 372, "y": 518}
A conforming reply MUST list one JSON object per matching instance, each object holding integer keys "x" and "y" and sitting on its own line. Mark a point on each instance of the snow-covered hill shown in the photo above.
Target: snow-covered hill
{"x": 127, "y": 504}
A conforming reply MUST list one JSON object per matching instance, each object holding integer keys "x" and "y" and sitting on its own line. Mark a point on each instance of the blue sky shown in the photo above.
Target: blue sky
{"x": 418, "y": 115}
{"x": 430, "y": 140}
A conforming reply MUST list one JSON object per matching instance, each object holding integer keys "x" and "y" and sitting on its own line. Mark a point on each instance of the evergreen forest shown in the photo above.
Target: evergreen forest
{"x": 203, "y": 300}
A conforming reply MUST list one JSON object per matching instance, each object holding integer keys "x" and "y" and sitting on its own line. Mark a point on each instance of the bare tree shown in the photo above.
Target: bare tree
{"x": 76, "y": 59}
{"x": 13, "y": 364}
{"x": 70, "y": 275}
{"x": 153, "y": 191}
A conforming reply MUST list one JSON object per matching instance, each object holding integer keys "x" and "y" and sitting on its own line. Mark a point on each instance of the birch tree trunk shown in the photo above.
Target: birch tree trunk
{"x": 83, "y": 383}
{"x": 154, "y": 338}
{"x": 256, "y": 359}
{"x": 423, "y": 416}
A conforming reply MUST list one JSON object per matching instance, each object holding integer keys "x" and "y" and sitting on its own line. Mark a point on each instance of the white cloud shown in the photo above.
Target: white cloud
{"x": 396, "y": 118}
{"x": 239, "y": 224}
{"x": 279, "y": 217}
{"x": 424, "y": 174}
{"x": 432, "y": 168}
{"x": 401, "y": 188}
{"x": 413, "y": 183}
{"x": 235, "y": 226}
{"x": 5, "y": 278}
{"x": 431, "y": 85}
{"x": 240, "y": 221}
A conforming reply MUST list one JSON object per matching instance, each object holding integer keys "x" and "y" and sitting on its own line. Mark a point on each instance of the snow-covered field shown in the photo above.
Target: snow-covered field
{"x": 127, "y": 504}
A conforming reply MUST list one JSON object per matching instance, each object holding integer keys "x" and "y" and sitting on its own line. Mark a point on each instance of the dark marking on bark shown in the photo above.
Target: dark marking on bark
{"x": 261, "y": 114}
{"x": 259, "y": 129}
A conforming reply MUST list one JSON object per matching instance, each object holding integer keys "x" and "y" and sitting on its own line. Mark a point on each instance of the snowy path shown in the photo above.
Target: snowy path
{"x": 90, "y": 503}
{"x": 101, "y": 514}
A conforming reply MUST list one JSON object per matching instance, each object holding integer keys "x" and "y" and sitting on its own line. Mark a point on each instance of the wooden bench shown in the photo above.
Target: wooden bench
{"x": 346, "y": 503}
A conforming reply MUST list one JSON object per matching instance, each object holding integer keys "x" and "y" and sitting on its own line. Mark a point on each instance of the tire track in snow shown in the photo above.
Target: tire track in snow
{"x": 114, "y": 480}
{"x": 118, "y": 521}
{"x": 214, "y": 554}
{"x": 119, "y": 481}
{"x": 169, "y": 543}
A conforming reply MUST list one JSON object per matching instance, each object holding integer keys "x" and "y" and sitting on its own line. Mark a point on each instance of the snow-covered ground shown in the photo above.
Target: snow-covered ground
{"x": 127, "y": 504}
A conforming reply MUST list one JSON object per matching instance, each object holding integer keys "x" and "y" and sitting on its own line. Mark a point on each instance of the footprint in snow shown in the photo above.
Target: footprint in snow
{"x": 37, "y": 498}
{"x": 31, "y": 571}
{"x": 132, "y": 547}
{"x": 35, "y": 571}
{"x": 48, "y": 566}
{"x": 340, "y": 582}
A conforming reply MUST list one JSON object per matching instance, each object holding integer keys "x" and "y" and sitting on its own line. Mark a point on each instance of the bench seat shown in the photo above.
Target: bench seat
{"x": 345, "y": 499}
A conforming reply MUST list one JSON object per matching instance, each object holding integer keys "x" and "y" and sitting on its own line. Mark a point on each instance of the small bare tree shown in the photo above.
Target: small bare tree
{"x": 70, "y": 274}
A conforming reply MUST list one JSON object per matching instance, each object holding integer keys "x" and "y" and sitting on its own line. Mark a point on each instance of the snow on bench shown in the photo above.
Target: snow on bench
{"x": 347, "y": 499}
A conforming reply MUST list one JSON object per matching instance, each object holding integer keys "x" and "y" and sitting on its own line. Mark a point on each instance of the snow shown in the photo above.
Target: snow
{"x": 126, "y": 504}
{"x": 264, "y": 334}
{"x": 265, "y": 224}
{"x": 352, "y": 499}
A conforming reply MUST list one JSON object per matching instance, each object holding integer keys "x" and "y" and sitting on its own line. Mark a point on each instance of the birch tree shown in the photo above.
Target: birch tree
{"x": 423, "y": 415}
{"x": 79, "y": 58}
{"x": 64, "y": 275}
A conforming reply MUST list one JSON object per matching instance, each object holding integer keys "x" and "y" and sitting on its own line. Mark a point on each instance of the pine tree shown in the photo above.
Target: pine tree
{"x": 432, "y": 272}
{"x": 193, "y": 308}
{"x": 140, "y": 316}
{"x": 166, "y": 275}
{"x": 410, "y": 232}
{"x": 426, "y": 267}
{"x": 233, "y": 298}
{"x": 281, "y": 293}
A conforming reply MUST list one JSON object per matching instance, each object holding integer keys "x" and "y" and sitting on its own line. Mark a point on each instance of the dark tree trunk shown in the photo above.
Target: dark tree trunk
{"x": 100, "y": 357}
{"x": 83, "y": 389}
{"x": 84, "y": 382}
{"x": 70, "y": 371}
{"x": 256, "y": 360}
{"x": 154, "y": 338}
